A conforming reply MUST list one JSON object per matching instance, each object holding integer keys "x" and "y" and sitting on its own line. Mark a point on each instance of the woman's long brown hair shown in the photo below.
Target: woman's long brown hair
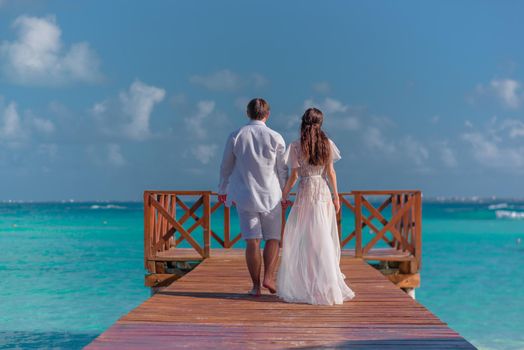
{"x": 313, "y": 141}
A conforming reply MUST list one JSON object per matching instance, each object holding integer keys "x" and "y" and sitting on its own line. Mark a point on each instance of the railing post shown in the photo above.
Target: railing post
{"x": 207, "y": 223}
{"x": 396, "y": 205}
{"x": 146, "y": 228}
{"x": 418, "y": 229}
{"x": 148, "y": 233}
{"x": 358, "y": 225}
{"x": 172, "y": 239}
{"x": 227, "y": 226}
{"x": 339, "y": 220}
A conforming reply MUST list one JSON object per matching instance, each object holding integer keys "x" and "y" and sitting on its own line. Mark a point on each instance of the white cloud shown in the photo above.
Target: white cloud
{"x": 337, "y": 115}
{"x": 415, "y": 150}
{"x": 106, "y": 155}
{"x": 44, "y": 125}
{"x": 16, "y": 128}
{"x": 114, "y": 155}
{"x": 489, "y": 153}
{"x": 322, "y": 87}
{"x": 227, "y": 80}
{"x": 204, "y": 153}
{"x": 38, "y": 55}
{"x": 99, "y": 108}
{"x": 399, "y": 150}
{"x": 447, "y": 155}
{"x": 375, "y": 140}
{"x": 508, "y": 91}
{"x": 349, "y": 123}
{"x": 499, "y": 145}
{"x": 131, "y": 114}
{"x": 515, "y": 127}
{"x": 328, "y": 106}
{"x": 137, "y": 104}
{"x": 11, "y": 127}
{"x": 220, "y": 80}
{"x": 196, "y": 123}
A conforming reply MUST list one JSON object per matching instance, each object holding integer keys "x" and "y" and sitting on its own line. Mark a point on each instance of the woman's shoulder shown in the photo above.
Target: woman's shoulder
{"x": 335, "y": 152}
{"x": 295, "y": 144}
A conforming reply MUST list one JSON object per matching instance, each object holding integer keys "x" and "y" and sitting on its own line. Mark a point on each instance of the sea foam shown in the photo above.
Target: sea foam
{"x": 509, "y": 214}
{"x": 108, "y": 206}
{"x": 498, "y": 206}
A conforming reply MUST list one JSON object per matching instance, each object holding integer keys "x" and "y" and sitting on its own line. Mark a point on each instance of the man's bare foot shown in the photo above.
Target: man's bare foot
{"x": 255, "y": 292}
{"x": 270, "y": 285}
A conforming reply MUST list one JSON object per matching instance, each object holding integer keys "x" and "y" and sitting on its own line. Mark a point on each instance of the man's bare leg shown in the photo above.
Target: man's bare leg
{"x": 253, "y": 260}
{"x": 271, "y": 251}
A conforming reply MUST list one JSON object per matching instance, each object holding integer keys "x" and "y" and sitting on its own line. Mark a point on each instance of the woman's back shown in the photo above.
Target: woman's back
{"x": 313, "y": 184}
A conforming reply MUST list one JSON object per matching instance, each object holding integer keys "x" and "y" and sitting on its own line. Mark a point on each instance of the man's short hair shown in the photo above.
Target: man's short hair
{"x": 257, "y": 109}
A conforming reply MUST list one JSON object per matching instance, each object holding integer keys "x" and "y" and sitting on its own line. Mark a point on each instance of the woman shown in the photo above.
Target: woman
{"x": 309, "y": 270}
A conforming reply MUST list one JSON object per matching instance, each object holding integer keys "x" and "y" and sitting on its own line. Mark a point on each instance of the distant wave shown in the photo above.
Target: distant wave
{"x": 509, "y": 214}
{"x": 498, "y": 206}
{"x": 108, "y": 206}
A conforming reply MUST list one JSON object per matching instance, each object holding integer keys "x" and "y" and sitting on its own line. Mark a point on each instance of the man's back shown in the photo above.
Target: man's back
{"x": 253, "y": 170}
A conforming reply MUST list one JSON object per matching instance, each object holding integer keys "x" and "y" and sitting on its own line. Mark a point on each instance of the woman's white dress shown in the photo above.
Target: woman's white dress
{"x": 310, "y": 265}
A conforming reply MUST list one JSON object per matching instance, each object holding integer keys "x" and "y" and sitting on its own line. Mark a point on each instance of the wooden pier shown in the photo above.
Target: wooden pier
{"x": 208, "y": 308}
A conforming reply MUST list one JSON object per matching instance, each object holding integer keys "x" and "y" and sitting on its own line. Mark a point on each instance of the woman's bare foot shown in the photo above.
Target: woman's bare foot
{"x": 270, "y": 286}
{"x": 255, "y": 292}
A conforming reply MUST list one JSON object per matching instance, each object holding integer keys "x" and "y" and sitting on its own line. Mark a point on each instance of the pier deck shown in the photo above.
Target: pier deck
{"x": 208, "y": 309}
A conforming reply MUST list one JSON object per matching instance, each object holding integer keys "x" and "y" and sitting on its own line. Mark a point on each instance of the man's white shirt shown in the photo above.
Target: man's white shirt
{"x": 254, "y": 171}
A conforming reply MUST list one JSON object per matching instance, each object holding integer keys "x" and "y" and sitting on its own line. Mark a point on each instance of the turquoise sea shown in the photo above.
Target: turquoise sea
{"x": 70, "y": 270}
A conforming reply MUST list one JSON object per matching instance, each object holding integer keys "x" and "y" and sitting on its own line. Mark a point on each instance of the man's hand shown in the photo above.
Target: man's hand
{"x": 222, "y": 198}
{"x": 286, "y": 203}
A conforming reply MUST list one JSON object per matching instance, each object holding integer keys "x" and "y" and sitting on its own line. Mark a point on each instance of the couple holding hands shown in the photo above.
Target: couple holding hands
{"x": 257, "y": 174}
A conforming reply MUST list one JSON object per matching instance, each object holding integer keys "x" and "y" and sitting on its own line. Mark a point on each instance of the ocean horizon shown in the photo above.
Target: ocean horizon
{"x": 71, "y": 269}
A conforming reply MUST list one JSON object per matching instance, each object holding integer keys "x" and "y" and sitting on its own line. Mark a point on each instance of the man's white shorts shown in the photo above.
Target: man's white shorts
{"x": 265, "y": 226}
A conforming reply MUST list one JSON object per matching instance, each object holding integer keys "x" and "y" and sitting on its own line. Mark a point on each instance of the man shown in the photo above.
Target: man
{"x": 252, "y": 175}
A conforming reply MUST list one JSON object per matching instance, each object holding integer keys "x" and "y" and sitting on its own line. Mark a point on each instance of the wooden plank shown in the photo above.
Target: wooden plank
{"x": 189, "y": 254}
{"x": 208, "y": 308}
{"x": 160, "y": 279}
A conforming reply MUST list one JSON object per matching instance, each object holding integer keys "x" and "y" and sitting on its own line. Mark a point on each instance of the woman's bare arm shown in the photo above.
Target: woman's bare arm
{"x": 290, "y": 183}
{"x": 332, "y": 177}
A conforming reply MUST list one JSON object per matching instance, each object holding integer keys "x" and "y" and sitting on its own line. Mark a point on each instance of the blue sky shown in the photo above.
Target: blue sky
{"x": 101, "y": 100}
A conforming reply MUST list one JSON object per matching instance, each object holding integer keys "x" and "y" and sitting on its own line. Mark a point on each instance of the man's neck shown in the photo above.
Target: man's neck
{"x": 255, "y": 121}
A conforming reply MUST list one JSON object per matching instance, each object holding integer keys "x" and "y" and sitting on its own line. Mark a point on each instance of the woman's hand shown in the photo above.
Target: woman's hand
{"x": 285, "y": 201}
{"x": 336, "y": 203}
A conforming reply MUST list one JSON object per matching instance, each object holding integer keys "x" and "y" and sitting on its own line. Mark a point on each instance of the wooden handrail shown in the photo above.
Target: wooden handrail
{"x": 169, "y": 221}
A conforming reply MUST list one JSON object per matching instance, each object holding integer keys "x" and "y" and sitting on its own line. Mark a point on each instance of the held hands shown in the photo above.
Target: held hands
{"x": 286, "y": 202}
{"x": 336, "y": 203}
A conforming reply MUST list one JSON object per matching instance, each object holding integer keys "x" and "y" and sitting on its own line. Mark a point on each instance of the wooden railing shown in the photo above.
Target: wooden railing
{"x": 183, "y": 218}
